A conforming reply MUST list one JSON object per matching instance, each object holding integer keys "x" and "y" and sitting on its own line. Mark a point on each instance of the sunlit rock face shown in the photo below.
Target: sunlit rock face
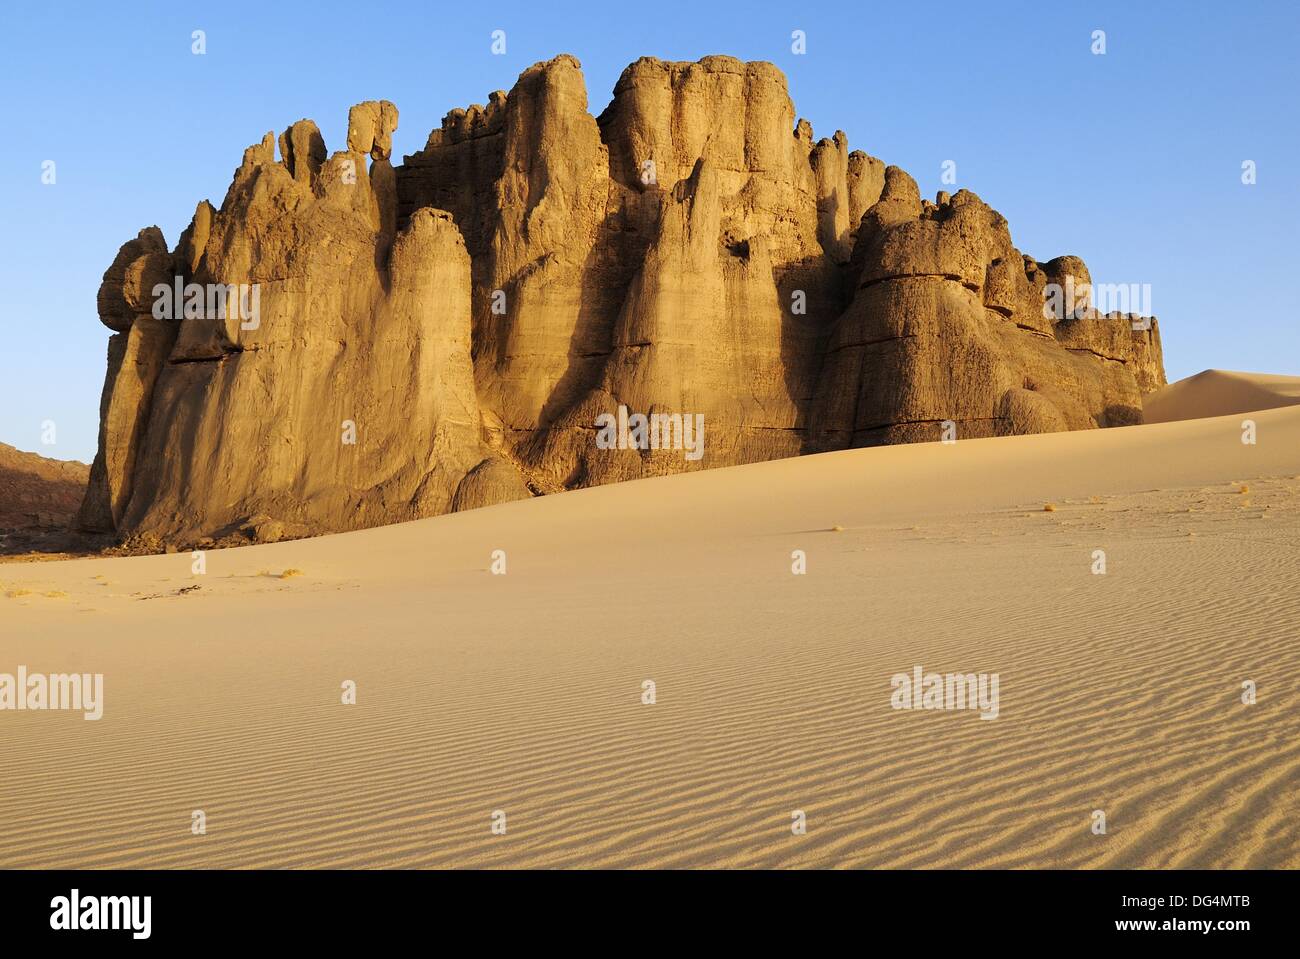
{"x": 462, "y": 329}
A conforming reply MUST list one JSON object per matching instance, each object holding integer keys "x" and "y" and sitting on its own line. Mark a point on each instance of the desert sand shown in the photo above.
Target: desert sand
{"x": 523, "y": 692}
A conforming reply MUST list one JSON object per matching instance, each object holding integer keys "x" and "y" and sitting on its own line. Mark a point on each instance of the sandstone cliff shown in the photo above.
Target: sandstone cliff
{"x": 447, "y": 333}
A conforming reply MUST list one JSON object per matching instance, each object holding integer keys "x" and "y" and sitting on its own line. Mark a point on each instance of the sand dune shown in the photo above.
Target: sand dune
{"x": 523, "y": 692}
{"x": 1220, "y": 393}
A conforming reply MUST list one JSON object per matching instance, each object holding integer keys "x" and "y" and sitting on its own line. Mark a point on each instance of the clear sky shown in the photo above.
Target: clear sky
{"x": 1132, "y": 159}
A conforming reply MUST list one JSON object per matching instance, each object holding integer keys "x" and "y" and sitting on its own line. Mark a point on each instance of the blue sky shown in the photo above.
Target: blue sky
{"x": 1131, "y": 160}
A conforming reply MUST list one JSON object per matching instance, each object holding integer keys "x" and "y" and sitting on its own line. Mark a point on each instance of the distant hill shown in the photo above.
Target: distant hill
{"x": 39, "y": 492}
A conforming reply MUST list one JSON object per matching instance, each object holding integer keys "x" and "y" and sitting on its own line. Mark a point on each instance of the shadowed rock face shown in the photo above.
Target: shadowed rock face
{"x": 448, "y": 333}
{"x": 38, "y": 492}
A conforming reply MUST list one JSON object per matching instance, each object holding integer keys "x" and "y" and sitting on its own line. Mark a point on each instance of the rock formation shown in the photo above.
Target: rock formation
{"x": 448, "y": 333}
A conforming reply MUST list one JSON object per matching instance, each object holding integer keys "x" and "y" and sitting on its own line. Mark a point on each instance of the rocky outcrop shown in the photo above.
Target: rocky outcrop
{"x": 137, "y": 351}
{"x": 340, "y": 395}
{"x": 452, "y": 332}
{"x": 948, "y": 326}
